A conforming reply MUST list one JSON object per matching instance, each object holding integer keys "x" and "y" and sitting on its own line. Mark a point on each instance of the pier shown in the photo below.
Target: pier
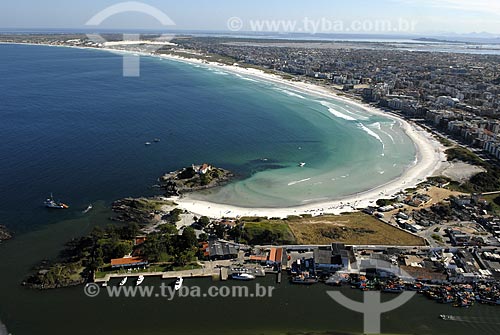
{"x": 216, "y": 270}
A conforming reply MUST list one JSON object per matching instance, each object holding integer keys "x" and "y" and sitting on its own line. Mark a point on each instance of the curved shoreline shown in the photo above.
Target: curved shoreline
{"x": 429, "y": 157}
{"x": 429, "y": 152}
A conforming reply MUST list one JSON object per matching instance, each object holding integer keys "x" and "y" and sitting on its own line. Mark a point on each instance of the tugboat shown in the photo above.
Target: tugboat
{"x": 51, "y": 203}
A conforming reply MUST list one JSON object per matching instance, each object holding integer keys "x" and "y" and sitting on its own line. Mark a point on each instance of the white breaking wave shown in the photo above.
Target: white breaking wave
{"x": 314, "y": 200}
{"x": 371, "y": 133}
{"x": 290, "y": 93}
{"x": 249, "y": 79}
{"x": 389, "y": 135}
{"x": 336, "y": 113}
{"x": 218, "y": 72}
{"x": 378, "y": 126}
{"x": 355, "y": 115}
{"x": 298, "y": 182}
{"x": 245, "y": 78}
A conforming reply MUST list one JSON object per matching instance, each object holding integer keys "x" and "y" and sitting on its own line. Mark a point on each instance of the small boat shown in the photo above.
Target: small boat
{"x": 51, "y": 203}
{"x": 242, "y": 276}
{"x": 88, "y": 209}
{"x": 393, "y": 289}
{"x": 304, "y": 280}
{"x": 105, "y": 284}
{"x": 124, "y": 281}
{"x": 334, "y": 280}
{"x": 156, "y": 140}
{"x": 147, "y": 143}
{"x": 139, "y": 280}
{"x": 178, "y": 283}
{"x": 302, "y": 164}
{"x": 447, "y": 317}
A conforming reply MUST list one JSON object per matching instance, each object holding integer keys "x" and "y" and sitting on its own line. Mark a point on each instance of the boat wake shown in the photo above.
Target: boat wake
{"x": 471, "y": 319}
{"x": 88, "y": 209}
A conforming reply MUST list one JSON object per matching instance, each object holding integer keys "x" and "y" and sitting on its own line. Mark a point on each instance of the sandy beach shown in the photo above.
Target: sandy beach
{"x": 430, "y": 155}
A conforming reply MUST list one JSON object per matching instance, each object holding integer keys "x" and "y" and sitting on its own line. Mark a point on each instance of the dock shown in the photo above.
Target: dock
{"x": 215, "y": 270}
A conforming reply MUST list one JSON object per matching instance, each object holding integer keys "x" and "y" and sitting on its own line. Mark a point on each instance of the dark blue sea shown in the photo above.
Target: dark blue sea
{"x": 72, "y": 125}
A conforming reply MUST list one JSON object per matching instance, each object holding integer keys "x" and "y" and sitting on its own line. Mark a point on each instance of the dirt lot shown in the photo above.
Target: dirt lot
{"x": 353, "y": 228}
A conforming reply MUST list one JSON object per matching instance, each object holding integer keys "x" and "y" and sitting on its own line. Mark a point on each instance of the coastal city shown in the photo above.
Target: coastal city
{"x": 436, "y": 235}
{"x": 449, "y": 225}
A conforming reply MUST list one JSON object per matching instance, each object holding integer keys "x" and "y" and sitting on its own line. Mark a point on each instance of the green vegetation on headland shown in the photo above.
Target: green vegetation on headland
{"x": 194, "y": 178}
{"x": 84, "y": 256}
{"x": 91, "y": 254}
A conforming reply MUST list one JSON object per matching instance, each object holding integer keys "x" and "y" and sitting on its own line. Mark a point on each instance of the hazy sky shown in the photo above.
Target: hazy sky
{"x": 428, "y": 16}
